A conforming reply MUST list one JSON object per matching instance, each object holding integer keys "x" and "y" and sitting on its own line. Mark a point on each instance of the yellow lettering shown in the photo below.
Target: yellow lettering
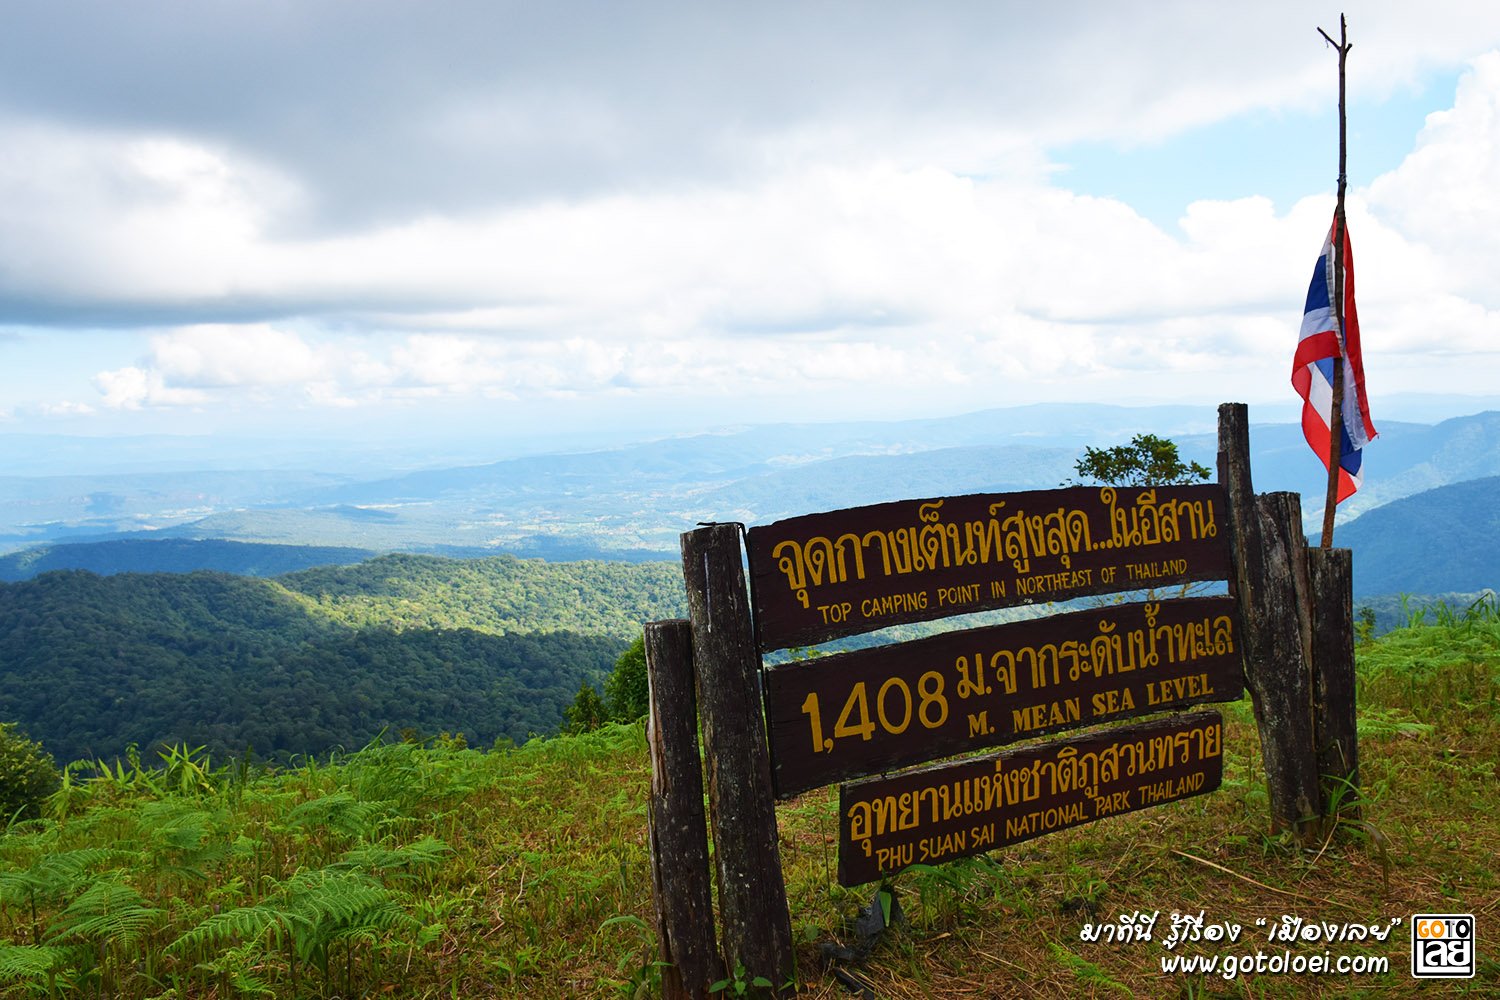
{"x": 965, "y": 594}
{"x": 892, "y": 858}
{"x": 879, "y": 607}
{"x": 1156, "y": 570}
{"x": 1178, "y": 688}
{"x": 1166, "y": 791}
{"x": 1063, "y": 712}
{"x": 1109, "y": 702}
{"x": 937, "y": 848}
{"x": 1056, "y": 713}
{"x": 835, "y": 612}
{"x": 1048, "y": 582}
{"x": 1113, "y": 803}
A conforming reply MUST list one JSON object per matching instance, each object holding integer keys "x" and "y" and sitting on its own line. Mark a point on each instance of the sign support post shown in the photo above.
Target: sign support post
{"x": 1331, "y": 574}
{"x": 1270, "y": 584}
{"x": 679, "y": 833}
{"x": 757, "y": 927}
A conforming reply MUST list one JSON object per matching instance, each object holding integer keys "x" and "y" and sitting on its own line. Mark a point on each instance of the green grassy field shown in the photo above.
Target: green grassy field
{"x": 441, "y": 871}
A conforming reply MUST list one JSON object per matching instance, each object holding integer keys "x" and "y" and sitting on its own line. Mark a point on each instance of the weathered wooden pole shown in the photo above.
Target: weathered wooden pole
{"x": 679, "y": 832}
{"x": 1269, "y": 553}
{"x": 757, "y": 930}
{"x": 1335, "y": 416}
{"x": 1331, "y": 574}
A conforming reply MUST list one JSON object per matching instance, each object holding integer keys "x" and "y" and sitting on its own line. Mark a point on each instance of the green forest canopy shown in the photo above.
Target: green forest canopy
{"x": 494, "y": 649}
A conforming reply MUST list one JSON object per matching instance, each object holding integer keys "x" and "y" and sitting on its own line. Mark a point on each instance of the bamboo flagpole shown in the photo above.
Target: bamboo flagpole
{"x": 1336, "y": 414}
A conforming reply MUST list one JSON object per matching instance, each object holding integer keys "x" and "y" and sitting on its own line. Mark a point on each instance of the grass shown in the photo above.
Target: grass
{"x": 443, "y": 871}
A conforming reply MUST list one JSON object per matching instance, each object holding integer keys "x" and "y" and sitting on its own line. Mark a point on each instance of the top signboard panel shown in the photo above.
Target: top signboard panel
{"x": 823, "y": 576}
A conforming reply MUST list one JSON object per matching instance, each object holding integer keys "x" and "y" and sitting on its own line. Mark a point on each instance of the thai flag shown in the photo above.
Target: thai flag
{"x": 1312, "y": 369}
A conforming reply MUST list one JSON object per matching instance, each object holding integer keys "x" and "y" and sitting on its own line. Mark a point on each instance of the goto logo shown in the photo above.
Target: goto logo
{"x": 1442, "y": 945}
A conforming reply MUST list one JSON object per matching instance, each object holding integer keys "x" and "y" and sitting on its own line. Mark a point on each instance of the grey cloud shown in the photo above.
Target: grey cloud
{"x": 388, "y": 110}
{"x": 348, "y": 119}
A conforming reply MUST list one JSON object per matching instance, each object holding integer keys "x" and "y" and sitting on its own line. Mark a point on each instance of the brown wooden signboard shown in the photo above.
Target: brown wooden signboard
{"x": 947, "y": 811}
{"x": 822, "y": 576}
{"x": 873, "y": 710}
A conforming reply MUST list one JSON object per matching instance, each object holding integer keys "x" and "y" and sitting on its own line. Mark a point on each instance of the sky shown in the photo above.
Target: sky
{"x": 396, "y": 219}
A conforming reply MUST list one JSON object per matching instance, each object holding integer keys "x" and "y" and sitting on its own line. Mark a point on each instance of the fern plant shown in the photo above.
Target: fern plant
{"x": 417, "y": 859}
{"x": 31, "y": 964}
{"x": 342, "y": 906}
{"x": 50, "y": 879}
{"x": 337, "y": 813}
{"x": 112, "y": 918}
{"x": 179, "y": 840}
{"x": 307, "y": 916}
{"x": 254, "y": 928}
{"x": 236, "y": 969}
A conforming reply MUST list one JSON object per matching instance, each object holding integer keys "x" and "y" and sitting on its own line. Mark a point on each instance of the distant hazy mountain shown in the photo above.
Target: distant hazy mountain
{"x": 41, "y": 509}
{"x": 867, "y": 479}
{"x": 628, "y": 501}
{"x": 1447, "y": 539}
{"x": 632, "y": 502}
{"x": 175, "y": 555}
{"x": 1405, "y": 459}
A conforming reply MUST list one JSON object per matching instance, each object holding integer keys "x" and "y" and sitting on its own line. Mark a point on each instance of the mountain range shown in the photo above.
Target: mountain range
{"x": 632, "y": 501}
{"x": 1441, "y": 540}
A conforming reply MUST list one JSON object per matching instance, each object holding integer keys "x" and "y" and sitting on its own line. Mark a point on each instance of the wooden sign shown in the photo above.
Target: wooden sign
{"x": 822, "y": 576}
{"x": 947, "y": 811}
{"x": 873, "y": 710}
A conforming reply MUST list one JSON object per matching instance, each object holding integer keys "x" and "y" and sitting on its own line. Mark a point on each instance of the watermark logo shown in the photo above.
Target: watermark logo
{"x": 1442, "y": 945}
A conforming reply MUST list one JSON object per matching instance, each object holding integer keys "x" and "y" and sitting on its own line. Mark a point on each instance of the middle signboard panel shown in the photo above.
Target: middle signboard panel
{"x": 874, "y": 710}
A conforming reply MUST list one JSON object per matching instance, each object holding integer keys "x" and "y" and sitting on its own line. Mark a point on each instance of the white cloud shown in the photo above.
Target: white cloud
{"x": 133, "y": 388}
{"x": 1446, "y": 195}
{"x": 192, "y": 365}
{"x": 828, "y": 280}
{"x": 874, "y": 217}
{"x": 228, "y": 355}
{"x": 63, "y": 409}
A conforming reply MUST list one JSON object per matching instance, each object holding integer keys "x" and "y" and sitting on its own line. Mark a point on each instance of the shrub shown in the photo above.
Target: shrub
{"x": 587, "y": 712}
{"x": 27, "y": 775}
{"x": 626, "y": 691}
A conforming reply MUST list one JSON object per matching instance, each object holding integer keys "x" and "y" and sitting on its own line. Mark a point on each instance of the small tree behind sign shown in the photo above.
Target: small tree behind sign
{"x": 1146, "y": 461}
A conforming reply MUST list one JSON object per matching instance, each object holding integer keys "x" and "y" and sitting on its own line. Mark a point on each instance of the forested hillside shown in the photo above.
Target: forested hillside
{"x": 499, "y": 594}
{"x": 493, "y": 648}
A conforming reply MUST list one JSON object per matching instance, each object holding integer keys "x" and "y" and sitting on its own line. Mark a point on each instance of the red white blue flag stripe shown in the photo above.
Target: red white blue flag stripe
{"x": 1312, "y": 369}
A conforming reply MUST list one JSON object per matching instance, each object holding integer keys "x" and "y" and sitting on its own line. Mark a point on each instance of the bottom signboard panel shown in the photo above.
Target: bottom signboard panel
{"x": 934, "y": 814}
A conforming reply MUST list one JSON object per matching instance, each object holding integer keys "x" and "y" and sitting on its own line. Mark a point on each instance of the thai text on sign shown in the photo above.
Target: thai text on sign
{"x": 872, "y": 710}
{"x": 948, "y": 811}
{"x": 822, "y": 576}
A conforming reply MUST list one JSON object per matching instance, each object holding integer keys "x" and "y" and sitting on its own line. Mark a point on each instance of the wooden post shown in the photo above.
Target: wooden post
{"x": 1335, "y": 417}
{"x": 679, "y": 832}
{"x": 757, "y": 929}
{"x": 1270, "y": 582}
{"x": 1331, "y": 574}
